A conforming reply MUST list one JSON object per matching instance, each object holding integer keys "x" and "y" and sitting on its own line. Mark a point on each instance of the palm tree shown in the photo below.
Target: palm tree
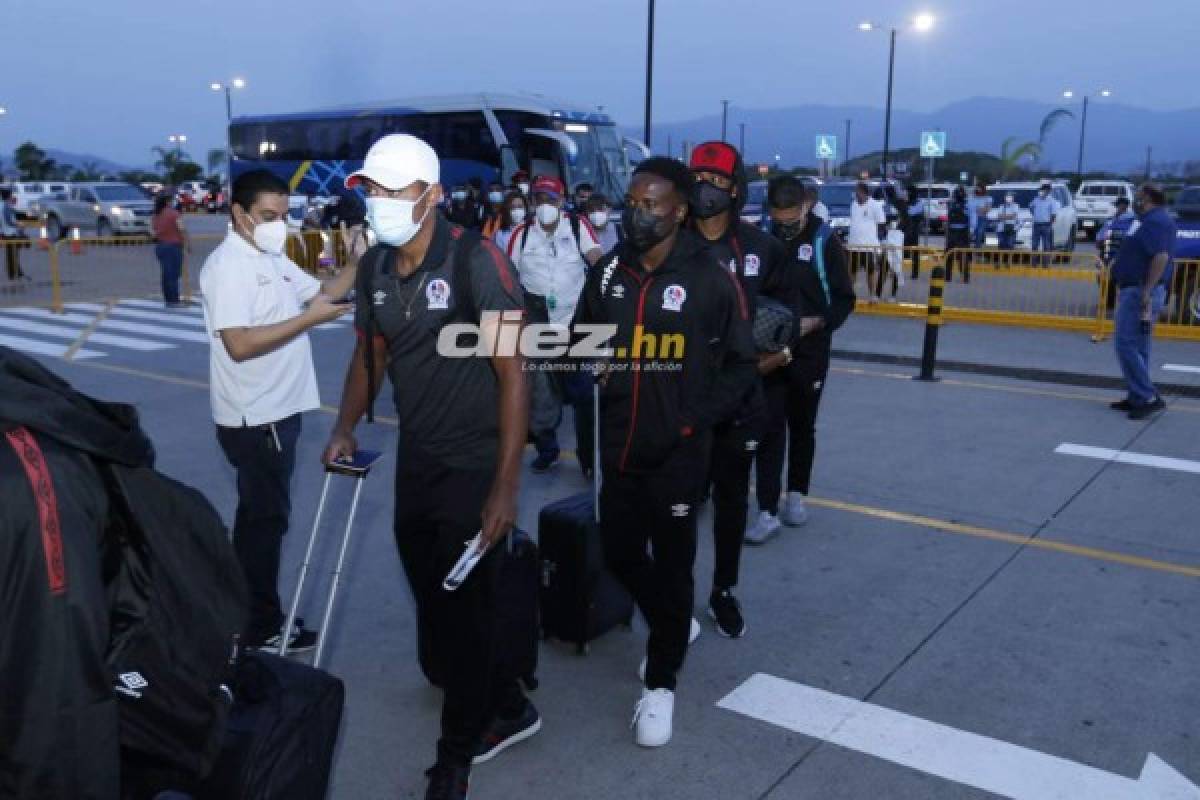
{"x": 1011, "y": 154}
{"x": 216, "y": 159}
{"x": 1048, "y": 123}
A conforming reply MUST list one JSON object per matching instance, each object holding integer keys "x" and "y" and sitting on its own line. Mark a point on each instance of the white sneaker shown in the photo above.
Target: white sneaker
{"x": 763, "y": 528}
{"x": 652, "y": 717}
{"x": 693, "y": 635}
{"x": 794, "y": 513}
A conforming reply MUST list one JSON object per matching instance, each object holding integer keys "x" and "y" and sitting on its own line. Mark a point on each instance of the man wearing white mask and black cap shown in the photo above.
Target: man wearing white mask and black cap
{"x": 262, "y": 380}
{"x": 462, "y": 421}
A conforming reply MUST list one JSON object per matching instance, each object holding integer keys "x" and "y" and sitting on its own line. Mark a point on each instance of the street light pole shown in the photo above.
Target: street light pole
{"x": 742, "y": 138}
{"x": 1082, "y": 133}
{"x": 846, "y": 161}
{"x": 649, "y": 68}
{"x": 887, "y": 117}
{"x": 724, "y": 118}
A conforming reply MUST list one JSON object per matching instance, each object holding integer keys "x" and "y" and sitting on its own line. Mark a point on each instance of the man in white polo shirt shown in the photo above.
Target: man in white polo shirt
{"x": 262, "y": 379}
{"x": 867, "y": 220}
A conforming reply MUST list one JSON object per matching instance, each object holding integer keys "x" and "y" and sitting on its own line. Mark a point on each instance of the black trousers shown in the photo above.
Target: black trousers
{"x": 793, "y": 398}
{"x": 264, "y": 457}
{"x": 648, "y": 524}
{"x": 733, "y": 451}
{"x": 438, "y": 509}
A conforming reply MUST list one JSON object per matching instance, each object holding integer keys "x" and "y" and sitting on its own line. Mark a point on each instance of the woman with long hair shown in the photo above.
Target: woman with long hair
{"x": 170, "y": 241}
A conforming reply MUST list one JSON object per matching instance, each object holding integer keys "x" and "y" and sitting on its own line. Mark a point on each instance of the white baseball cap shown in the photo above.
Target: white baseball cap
{"x": 397, "y": 161}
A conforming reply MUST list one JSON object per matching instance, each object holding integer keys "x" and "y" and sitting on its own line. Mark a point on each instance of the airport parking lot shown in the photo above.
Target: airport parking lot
{"x": 968, "y": 575}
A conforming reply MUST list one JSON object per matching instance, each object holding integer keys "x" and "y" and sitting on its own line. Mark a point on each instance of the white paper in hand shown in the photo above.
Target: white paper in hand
{"x": 470, "y": 557}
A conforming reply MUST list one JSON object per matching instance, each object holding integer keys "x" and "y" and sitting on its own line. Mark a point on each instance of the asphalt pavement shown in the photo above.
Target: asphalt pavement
{"x": 968, "y": 586}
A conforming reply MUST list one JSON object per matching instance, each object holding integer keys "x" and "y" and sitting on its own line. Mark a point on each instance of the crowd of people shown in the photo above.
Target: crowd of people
{"x": 674, "y": 427}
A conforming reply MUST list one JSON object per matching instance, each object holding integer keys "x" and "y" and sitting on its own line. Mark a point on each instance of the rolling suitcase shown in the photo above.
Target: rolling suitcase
{"x": 281, "y": 733}
{"x": 283, "y": 727}
{"x": 580, "y": 599}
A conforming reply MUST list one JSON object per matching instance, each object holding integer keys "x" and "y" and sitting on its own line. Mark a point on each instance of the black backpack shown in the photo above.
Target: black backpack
{"x": 178, "y": 604}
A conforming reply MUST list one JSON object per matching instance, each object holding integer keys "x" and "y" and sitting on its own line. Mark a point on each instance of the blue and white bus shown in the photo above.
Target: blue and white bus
{"x": 488, "y": 136}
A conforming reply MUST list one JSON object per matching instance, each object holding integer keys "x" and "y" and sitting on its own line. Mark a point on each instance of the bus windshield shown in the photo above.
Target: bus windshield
{"x": 600, "y": 160}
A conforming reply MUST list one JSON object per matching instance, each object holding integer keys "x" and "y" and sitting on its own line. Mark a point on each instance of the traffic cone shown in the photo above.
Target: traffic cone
{"x": 43, "y": 241}
{"x": 76, "y": 244}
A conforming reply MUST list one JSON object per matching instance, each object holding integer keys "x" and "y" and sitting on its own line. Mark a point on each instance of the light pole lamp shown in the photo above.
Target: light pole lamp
{"x": 1068, "y": 94}
{"x": 236, "y": 83}
{"x": 179, "y": 140}
{"x": 920, "y": 23}
{"x": 724, "y": 118}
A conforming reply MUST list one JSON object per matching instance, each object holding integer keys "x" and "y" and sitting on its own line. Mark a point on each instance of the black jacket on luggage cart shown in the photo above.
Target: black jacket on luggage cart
{"x": 118, "y": 590}
{"x": 704, "y": 362}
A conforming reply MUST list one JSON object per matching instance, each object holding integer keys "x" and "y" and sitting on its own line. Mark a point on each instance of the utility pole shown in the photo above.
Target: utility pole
{"x": 649, "y": 68}
{"x": 742, "y": 139}
{"x": 887, "y": 119}
{"x": 846, "y": 162}
{"x": 1082, "y": 132}
{"x": 1149, "y": 152}
{"x": 670, "y": 148}
{"x": 724, "y": 118}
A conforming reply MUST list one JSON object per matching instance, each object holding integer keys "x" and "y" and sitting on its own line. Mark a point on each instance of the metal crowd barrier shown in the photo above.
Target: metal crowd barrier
{"x": 1059, "y": 291}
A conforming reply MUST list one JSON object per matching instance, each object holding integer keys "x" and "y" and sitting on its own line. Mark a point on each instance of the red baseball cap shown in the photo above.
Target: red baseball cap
{"x": 718, "y": 157}
{"x": 546, "y": 184}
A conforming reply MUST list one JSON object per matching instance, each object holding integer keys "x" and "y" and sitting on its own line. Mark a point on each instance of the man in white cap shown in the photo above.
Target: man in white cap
{"x": 262, "y": 380}
{"x": 462, "y": 427}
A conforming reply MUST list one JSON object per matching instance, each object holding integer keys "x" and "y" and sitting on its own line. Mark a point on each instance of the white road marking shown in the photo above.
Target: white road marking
{"x": 955, "y": 755}
{"x": 188, "y": 315}
{"x": 61, "y": 331}
{"x": 1122, "y": 457}
{"x": 1181, "y": 368}
{"x": 115, "y": 324}
{"x": 152, "y": 306}
{"x": 43, "y": 348}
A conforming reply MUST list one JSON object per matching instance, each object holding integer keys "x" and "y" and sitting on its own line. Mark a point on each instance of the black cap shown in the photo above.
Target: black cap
{"x": 1122, "y": 201}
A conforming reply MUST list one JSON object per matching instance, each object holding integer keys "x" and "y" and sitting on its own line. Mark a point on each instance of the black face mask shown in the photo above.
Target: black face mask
{"x": 643, "y": 229}
{"x": 708, "y": 200}
{"x": 789, "y": 230}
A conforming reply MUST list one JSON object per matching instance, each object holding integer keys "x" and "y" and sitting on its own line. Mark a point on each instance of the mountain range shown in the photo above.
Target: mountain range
{"x": 1117, "y": 134}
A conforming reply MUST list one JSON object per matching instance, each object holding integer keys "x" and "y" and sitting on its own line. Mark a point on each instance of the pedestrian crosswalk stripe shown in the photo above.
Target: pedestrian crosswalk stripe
{"x": 62, "y": 331}
{"x": 187, "y": 315}
{"x": 116, "y": 324}
{"x": 39, "y": 348}
{"x": 153, "y": 316}
{"x": 135, "y": 302}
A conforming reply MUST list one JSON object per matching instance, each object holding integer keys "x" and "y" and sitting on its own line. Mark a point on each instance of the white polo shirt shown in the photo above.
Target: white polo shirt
{"x": 244, "y": 288}
{"x": 865, "y": 219}
{"x": 552, "y": 265}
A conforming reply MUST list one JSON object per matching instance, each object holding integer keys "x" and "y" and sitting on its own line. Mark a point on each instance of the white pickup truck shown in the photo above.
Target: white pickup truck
{"x": 1095, "y": 203}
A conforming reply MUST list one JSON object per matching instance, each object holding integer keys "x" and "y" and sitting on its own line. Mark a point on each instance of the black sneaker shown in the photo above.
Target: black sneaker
{"x": 504, "y": 733}
{"x": 301, "y": 641}
{"x": 544, "y": 462}
{"x": 725, "y": 611}
{"x": 1121, "y": 405}
{"x": 448, "y": 782}
{"x": 1143, "y": 410}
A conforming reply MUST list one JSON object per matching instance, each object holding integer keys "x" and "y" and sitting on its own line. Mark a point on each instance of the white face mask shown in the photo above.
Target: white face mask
{"x": 392, "y": 219}
{"x": 518, "y": 215}
{"x": 1009, "y": 199}
{"x": 495, "y": 197}
{"x": 269, "y": 237}
{"x": 599, "y": 218}
{"x": 524, "y": 187}
{"x": 547, "y": 214}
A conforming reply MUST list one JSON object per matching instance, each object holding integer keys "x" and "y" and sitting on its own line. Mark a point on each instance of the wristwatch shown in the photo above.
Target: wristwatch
{"x": 787, "y": 355}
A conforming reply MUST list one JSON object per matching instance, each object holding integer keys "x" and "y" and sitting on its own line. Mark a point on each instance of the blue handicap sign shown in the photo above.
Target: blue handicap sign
{"x": 933, "y": 144}
{"x": 826, "y": 147}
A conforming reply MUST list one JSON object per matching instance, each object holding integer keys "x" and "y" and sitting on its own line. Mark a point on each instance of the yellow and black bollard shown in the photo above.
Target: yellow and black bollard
{"x": 933, "y": 321}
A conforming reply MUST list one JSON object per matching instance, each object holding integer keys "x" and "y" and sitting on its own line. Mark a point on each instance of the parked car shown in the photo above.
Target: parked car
{"x": 838, "y": 195}
{"x": 216, "y": 200}
{"x": 1095, "y": 203}
{"x": 1066, "y": 226}
{"x": 106, "y": 209}
{"x": 937, "y": 196}
{"x": 29, "y": 196}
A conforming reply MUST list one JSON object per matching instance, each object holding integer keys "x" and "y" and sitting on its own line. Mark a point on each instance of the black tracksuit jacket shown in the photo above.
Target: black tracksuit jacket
{"x": 651, "y": 406}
